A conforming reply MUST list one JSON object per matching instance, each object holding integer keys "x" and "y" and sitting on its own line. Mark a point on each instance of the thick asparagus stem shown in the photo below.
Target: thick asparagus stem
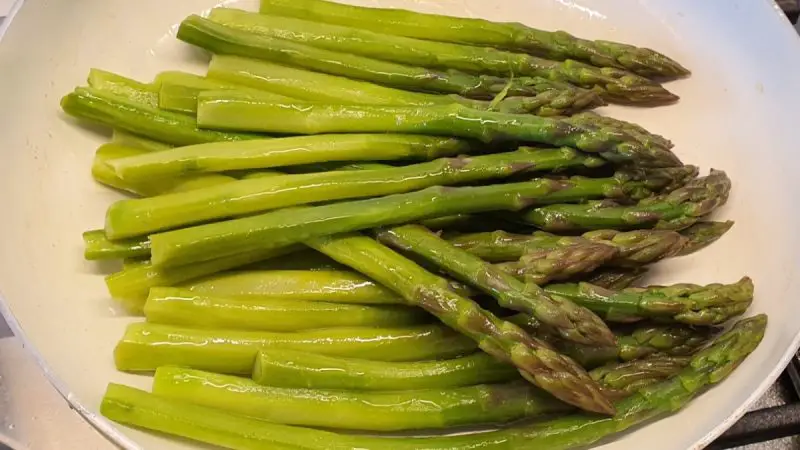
{"x": 286, "y": 226}
{"x": 97, "y": 246}
{"x": 136, "y": 217}
{"x": 702, "y": 234}
{"x": 614, "y": 84}
{"x": 120, "y": 113}
{"x": 356, "y": 410}
{"x": 135, "y": 91}
{"x": 565, "y": 318}
{"x": 535, "y": 360}
{"x": 616, "y": 278}
{"x": 268, "y": 153}
{"x": 126, "y": 139}
{"x": 178, "y": 91}
{"x": 557, "y": 45}
{"x": 147, "y": 346}
{"x": 311, "y": 86}
{"x": 222, "y": 110}
{"x": 176, "y": 306}
{"x": 691, "y": 304}
{"x": 709, "y": 366}
{"x": 678, "y": 209}
{"x": 287, "y": 368}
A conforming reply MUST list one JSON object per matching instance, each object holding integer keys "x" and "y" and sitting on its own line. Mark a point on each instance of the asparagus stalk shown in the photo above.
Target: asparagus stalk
{"x": 535, "y": 360}
{"x": 136, "y": 217}
{"x": 708, "y": 367}
{"x": 676, "y": 210}
{"x": 97, "y": 246}
{"x": 621, "y": 380}
{"x": 557, "y": 45}
{"x": 147, "y": 346}
{"x": 120, "y": 113}
{"x": 286, "y": 226}
{"x": 292, "y": 369}
{"x": 616, "y": 278}
{"x": 306, "y": 260}
{"x": 691, "y": 304}
{"x": 570, "y": 321}
{"x": 111, "y": 83}
{"x": 702, "y": 234}
{"x": 125, "y": 139}
{"x": 644, "y": 137}
{"x": 226, "y": 110}
{"x": 311, "y": 86}
{"x": 176, "y": 306}
{"x": 614, "y": 84}
{"x": 268, "y": 153}
{"x": 354, "y": 410}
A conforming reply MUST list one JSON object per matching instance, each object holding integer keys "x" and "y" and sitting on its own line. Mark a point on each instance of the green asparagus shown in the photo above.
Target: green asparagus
{"x": 121, "y": 113}
{"x": 268, "y": 153}
{"x": 275, "y": 229}
{"x": 702, "y": 234}
{"x": 691, "y": 304}
{"x": 557, "y": 45}
{"x": 614, "y": 84}
{"x": 306, "y": 260}
{"x": 97, "y": 246}
{"x": 616, "y": 278}
{"x": 125, "y": 139}
{"x": 535, "y": 360}
{"x": 111, "y": 83}
{"x": 676, "y": 210}
{"x": 183, "y": 307}
{"x": 287, "y": 368}
{"x": 137, "y": 217}
{"x": 147, "y": 346}
{"x": 643, "y": 136}
{"x": 226, "y": 110}
{"x": 620, "y": 380}
{"x": 356, "y": 410}
{"x": 311, "y": 86}
{"x": 570, "y": 321}
{"x": 710, "y": 366}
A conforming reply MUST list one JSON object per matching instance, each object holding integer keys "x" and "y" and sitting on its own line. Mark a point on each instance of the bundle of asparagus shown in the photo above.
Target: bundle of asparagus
{"x": 296, "y": 219}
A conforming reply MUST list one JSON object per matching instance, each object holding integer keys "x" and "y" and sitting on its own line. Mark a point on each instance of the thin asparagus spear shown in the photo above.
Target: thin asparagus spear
{"x": 97, "y": 246}
{"x": 182, "y": 307}
{"x": 614, "y": 84}
{"x": 570, "y": 321}
{"x": 691, "y": 304}
{"x": 535, "y": 360}
{"x": 287, "y": 368}
{"x": 268, "y": 153}
{"x": 120, "y": 113}
{"x": 621, "y": 380}
{"x": 136, "y": 217}
{"x": 643, "y": 136}
{"x": 147, "y": 346}
{"x": 702, "y": 234}
{"x": 146, "y": 94}
{"x": 616, "y": 278}
{"x": 356, "y": 410}
{"x": 226, "y": 110}
{"x": 126, "y": 139}
{"x": 679, "y": 209}
{"x": 708, "y": 367}
{"x": 311, "y": 86}
{"x": 557, "y": 45}
{"x": 286, "y": 226}
{"x": 639, "y": 247}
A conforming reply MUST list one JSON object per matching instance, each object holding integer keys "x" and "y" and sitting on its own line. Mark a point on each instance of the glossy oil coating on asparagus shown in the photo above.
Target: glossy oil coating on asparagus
{"x": 620, "y": 380}
{"x": 614, "y": 84}
{"x": 691, "y": 304}
{"x": 557, "y": 45}
{"x": 124, "y": 87}
{"x": 562, "y": 316}
{"x": 702, "y": 234}
{"x": 708, "y": 367}
{"x": 535, "y": 360}
{"x": 147, "y": 346}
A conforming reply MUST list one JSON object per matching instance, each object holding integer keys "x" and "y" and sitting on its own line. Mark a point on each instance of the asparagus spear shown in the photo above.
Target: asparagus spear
{"x": 121, "y": 113}
{"x": 692, "y": 304}
{"x": 319, "y": 87}
{"x": 354, "y": 410}
{"x": 616, "y": 278}
{"x": 562, "y": 316}
{"x": 287, "y": 368}
{"x": 136, "y": 217}
{"x": 176, "y": 306}
{"x": 97, "y": 246}
{"x": 614, "y": 84}
{"x": 710, "y": 366}
{"x": 621, "y": 380}
{"x": 642, "y": 135}
{"x": 125, "y": 139}
{"x": 306, "y": 260}
{"x": 535, "y": 360}
{"x": 557, "y": 45}
{"x": 111, "y": 83}
{"x": 286, "y": 226}
{"x": 147, "y": 346}
{"x": 702, "y": 234}
{"x": 561, "y": 259}
{"x": 268, "y": 153}
{"x": 676, "y": 210}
